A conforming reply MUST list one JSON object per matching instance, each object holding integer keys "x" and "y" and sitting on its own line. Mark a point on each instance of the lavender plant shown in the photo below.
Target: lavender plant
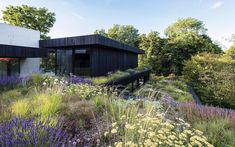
{"x": 12, "y": 81}
{"x": 32, "y": 132}
{"x": 78, "y": 80}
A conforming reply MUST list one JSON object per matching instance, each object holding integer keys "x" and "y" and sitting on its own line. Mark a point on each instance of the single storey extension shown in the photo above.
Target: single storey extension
{"x": 90, "y": 55}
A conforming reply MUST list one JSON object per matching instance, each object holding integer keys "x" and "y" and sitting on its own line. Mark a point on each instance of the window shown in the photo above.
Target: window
{"x": 9, "y": 67}
{"x": 64, "y": 61}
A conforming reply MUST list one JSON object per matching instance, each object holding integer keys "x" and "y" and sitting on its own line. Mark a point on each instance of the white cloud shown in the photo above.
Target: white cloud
{"x": 217, "y": 4}
{"x": 77, "y": 16}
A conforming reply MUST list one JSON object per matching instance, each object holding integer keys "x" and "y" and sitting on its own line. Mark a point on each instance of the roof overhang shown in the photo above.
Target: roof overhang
{"x": 11, "y": 51}
{"x": 88, "y": 40}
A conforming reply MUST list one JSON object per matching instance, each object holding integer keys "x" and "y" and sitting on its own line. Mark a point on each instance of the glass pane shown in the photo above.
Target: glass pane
{"x": 14, "y": 68}
{"x": 64, "y": 61}
{"x": 82, "y": 62}
{"x": 3, "y": 69}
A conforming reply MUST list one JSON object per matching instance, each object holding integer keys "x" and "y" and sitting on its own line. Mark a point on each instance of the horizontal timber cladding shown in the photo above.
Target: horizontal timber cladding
{"x": 87, "y": 41}
{"x": 104, "y": 60}
{"x": 22, "y": 52}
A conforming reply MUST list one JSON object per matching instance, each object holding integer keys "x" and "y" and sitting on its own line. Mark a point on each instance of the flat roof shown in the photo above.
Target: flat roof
{"x": 87, "y": 41}
{"x": 12, "y": 51}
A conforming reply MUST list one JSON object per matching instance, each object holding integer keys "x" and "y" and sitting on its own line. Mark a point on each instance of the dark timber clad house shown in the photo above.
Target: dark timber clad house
{"x": 91, "y": 55}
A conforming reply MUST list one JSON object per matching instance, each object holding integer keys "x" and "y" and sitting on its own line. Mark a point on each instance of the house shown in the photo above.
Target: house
{"x": 90, "y": 55}
{"x": 19, "y": 51}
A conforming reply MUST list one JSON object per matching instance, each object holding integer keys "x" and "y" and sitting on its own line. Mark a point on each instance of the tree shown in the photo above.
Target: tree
{"x": 152, "y": 45}
{"x": 185, "y": 38}
{"x": 33, "y": 18}
{"x": 124, "y": 33}
{"x": 101, "y": 32}
{"x": 30, "y": 17}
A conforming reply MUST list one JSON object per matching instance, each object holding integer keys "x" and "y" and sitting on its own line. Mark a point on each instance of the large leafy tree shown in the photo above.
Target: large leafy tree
{"x": 187, "y": 37}
{"x": 127, "y": 34}
{"x": 33, "y": 18}
{"x": 30, "y": 17}
{"x": 152, "y": 45}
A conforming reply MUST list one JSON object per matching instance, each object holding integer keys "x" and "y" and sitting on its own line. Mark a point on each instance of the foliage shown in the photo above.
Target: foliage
{"x": 221, "y": 127}
{"x": 29, "y": 132}
{"x": 212, "y": 76}
{"x": 11, "y": 82}
{"x": 84, "y": 107}
{"x": 152, "y": 129}
{"x": 152, "y": 45}
{"x": 44, "y": 105}
{"x": 85, "y": 91}
{"x": 166, "y": 86}
{"x": 48, "y": 63}
{"x": 20, "y": 108}
{"x": 111, "y": 77}
{"x": 216, "y": 123}
{"x": 185, "y": 38}
{"x": 30, "y": 17}
{"x": 231, "y": 52}
{"x": 193, "y": 113}
{"x": 124, "y": 33}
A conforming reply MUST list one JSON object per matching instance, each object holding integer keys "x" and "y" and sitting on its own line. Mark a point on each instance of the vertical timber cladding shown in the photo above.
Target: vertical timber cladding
{"x": 104, "y": 60}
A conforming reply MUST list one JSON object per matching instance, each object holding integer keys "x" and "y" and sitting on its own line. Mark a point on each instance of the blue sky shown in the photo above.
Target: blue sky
{"x": 81, "y": 17}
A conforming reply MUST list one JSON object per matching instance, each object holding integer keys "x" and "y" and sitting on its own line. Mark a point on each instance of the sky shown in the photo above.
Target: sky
{"x": 82, "y": 17}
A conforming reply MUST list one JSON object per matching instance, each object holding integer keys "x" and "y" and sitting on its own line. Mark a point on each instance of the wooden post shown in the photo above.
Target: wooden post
{"x": 138, "y": 83}
{"x": 132, "y": 86}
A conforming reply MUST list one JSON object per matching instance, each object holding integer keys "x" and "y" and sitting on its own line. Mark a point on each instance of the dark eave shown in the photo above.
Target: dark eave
{"x": 11, "y": 51}
{"x": 88, "y": 40}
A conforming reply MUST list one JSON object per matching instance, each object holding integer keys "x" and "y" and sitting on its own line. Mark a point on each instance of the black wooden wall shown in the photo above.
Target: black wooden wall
{"x": 104, "y": 60}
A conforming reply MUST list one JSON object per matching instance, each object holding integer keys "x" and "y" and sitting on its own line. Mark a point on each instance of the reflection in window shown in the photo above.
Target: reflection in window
{"x": 9, "y": 67}
{"x": 64, "y": 61}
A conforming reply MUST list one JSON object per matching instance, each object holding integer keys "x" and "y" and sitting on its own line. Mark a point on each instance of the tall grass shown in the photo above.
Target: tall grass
{"x": 218, "y": 131}
{"x": 21, "y": 108}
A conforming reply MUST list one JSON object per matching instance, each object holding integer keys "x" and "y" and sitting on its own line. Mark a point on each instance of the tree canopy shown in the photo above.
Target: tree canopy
{"x": 127, "y": 34}
{"x": 30, "y": 17}
{"x": 152, "y": 45}
{"x": 187, "y": 37}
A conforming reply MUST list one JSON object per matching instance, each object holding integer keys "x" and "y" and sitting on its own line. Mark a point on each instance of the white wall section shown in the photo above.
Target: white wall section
{"x": 12, "y": 35}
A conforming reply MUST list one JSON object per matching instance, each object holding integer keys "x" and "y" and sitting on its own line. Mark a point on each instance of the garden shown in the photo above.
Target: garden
{"x": 46, "y": 110}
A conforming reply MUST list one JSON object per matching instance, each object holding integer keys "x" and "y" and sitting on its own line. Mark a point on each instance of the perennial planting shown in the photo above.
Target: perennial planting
{"x": 94, "y": 115}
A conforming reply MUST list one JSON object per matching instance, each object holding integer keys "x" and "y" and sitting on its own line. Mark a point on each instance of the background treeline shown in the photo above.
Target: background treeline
{"x": 187, "y": 51}
{"x": 184, "y": 38}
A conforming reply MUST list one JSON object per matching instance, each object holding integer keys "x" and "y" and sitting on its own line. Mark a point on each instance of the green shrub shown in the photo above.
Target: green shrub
{"x": 100, "y": 80}
{"x": 175, "y": 88}
{"x": 113, "y": 76}
{"x": 218, "y": 131}
{"x": 212, "y": 77}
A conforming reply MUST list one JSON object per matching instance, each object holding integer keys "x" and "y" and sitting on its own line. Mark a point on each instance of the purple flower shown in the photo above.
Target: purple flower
{"x": 78, "y": 80}
{"x": 13, "y": 80}
{"x": 32, "y": 132}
